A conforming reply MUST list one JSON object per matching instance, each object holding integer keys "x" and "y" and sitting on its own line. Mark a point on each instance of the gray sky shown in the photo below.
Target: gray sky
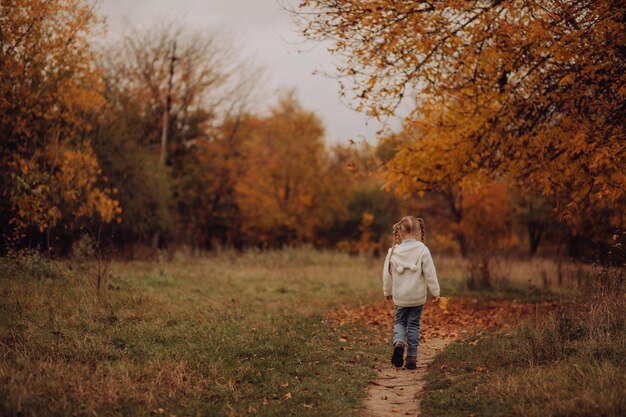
{"x": 268, "y": 36}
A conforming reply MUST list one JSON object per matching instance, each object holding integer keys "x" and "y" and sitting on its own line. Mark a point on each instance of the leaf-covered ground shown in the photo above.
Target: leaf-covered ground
{"x": 463, "y": 316}
{"x": 509, "y": 358}
{"x": 397, "y": 392}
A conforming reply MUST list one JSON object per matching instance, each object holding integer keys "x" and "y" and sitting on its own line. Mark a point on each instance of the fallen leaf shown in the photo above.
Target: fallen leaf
{"x": 452, "y": 322}
{"x": 443, "y": 303}
{"x": 288, "y": 396}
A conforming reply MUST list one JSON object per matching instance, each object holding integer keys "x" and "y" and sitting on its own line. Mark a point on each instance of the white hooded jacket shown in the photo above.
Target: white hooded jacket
{"x": 412, "y": 273}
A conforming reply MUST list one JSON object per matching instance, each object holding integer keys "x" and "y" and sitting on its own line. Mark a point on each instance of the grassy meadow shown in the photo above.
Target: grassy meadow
{"x": 569, "y": 362}
{"x": 217, "y": 335}
{"x": 230, "y": 334}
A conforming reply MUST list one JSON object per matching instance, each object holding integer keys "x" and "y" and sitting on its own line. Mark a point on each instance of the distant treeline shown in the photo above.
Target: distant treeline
{"x": 159, "y": 141}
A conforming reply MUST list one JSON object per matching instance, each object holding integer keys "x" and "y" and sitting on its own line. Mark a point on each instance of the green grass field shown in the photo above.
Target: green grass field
{"x": 221, "y": 335}
{"x": 248, "y": 334}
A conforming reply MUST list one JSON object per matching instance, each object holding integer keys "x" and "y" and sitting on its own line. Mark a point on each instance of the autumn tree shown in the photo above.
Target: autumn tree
{"x": 205, "y": 73}
{"x": 210, "y": 167}
{"x": 144, "y": 188}
{"x": 437, "y": 191}
{"x": 533, "y": 213}
{"x": 287, "y": 190}
{"x": 487, "y": 227}
{"x": 196, "y": 81}
{"x": 533, "y": 91}
{"x": 49, "y": 96}
{"x": 369, "y": 211}
{"x": 208, "y": 205}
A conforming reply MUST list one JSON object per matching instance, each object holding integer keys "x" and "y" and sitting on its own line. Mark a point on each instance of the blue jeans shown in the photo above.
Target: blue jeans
{"x": 407, "y": 322}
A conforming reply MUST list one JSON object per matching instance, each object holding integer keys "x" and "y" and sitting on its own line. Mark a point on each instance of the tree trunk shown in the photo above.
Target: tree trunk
{"x": 534, "y": 237}
{"x": 460, "y": 238}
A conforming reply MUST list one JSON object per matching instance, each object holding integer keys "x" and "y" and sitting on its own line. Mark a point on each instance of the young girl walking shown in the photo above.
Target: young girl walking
{"x": 408, "y": 272}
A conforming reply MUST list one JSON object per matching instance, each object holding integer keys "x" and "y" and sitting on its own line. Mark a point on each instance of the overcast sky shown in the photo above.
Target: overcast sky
{"x": 266, "y": 34}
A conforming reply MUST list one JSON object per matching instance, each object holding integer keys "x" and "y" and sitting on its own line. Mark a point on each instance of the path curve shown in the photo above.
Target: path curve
{"x": 396, "y": 392}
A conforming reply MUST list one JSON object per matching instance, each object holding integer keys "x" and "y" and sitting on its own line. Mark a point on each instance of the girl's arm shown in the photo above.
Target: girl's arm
{"x": 387, "y": 277}
{"x": 428, "y": 267}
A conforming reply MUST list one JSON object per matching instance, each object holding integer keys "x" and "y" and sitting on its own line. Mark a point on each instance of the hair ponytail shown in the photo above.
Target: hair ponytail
{"x": 396, "y": 240}
{"x": 420, "y": 221}
{"x": 396, "y": 233}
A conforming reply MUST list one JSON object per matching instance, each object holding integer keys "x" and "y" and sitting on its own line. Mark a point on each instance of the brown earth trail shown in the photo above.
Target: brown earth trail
{"x": 397, "y": 392}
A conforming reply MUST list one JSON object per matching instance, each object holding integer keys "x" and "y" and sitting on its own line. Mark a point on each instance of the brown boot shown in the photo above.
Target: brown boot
{"x": 411, "y": 362}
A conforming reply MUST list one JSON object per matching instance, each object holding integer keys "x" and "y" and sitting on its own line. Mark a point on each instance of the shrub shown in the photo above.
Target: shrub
{"x": 30, "y": 263}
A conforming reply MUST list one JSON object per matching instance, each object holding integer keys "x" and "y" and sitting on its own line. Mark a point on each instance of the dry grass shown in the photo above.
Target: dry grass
{"x": 233, "y": 334}
{"x": 530, "y": 279}
{"x": 566, "y": 363}
{"x": 218, "y": 335}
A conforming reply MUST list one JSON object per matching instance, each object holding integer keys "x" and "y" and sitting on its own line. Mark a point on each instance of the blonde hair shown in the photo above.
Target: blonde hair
{"x": 410, "y": 226}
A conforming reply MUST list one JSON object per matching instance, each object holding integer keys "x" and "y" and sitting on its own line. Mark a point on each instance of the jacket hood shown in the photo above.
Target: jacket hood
{"x": 407, "y": 255}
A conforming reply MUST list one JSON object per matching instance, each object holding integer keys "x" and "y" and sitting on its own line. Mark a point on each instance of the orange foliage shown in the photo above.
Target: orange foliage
{"x": 486, "y": 222}
{"x": 49, "y": 94}
{"x": 70, "y": 183}
{"x": 530, "y": 90}
{"x": 366, "y": 243}
{"x": 286, "y": 189}
{"x": 461, "y": 316}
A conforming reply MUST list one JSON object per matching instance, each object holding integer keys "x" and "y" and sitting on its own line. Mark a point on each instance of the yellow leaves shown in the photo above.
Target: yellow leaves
{"x": 536, "y": 30}
{"x": 42, "y": 196}
{"x": 372, "y": 81}
{"x": 286, "y": 188}
{"x": 526, "y": 91}
{"x": 107, "y": 208}
{"x": 52, "y": 174}
{"x": 487, "y": 210}
{"x": 365, "y": 244}
{"x": 366, "y": 221}
{"x": 443, "y": 304}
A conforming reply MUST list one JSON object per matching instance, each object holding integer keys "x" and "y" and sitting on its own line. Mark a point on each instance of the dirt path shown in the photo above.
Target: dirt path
{"x": 396, "y": 392}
